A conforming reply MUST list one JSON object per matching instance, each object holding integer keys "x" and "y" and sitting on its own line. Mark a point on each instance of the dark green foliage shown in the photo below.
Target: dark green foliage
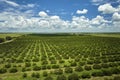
{"x": 61, "y": 77}
{"x": 115, "y": 70}
{"x": 97, "y": 61}
{"x": 104, "y": 65}
{"x": 2, "y": 40}
{"x": 96, "y": 66}
{"x": 45, "y": 73}
{"x": 90, "y": 62}
{"x": 66, "y": 65}
{"x": 78, "y": 69}
{"x": 35, "y": 60}
{"x": 36, "y": 68}
{"x": 27, "y": 64}
{"x": 106, "y": 72}
{"x": 116, "y": 78}
{"x": 113, "y": 64}
{"x": 87, "y": 68}
{"x": 97, "y": 73}
{"x": 7, "y": 65}
{"x": 105, "y": 60}
{"x": 53, "y": 62}
{"x": 82, "y": 63}
{"x": 13, "y": 70}
{"x": 36, "y": 75}
{"x": 58, "y": 71}
{"x": 77, "y": 59}
{"x": 43, "y": 67}
{"x": 61, "y": 61}
{"x": 33, "y": 74}
{"x": 68, "y": 70}
{"x": 48, "y": 78}
{"x": 48, "y": 66}
{"x": 34, "y": 64}
{"x": 73, "y": 64}
{"x": 8, "y": 38}
{"x": 23, "y": 69}
{"x": 24, "y": 75}
{"x": 28, "y": 69}
{"x": 2, "y": 70}
{"x": 85, "y": 75}
{"x": 73, "y": 76}
{"x": 44, "y": 62}
{"x": 55, "y": 66}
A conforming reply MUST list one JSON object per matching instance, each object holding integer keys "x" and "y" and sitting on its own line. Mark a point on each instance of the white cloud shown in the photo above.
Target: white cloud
{"x": 116, "y": 16}
{"x": 30, "y": 5}
{"x": 24, "y": 22}
{"x": 84, "y": 11}
{"x": 11, "y": 3}
{"x": 43, "y": 14}
{"x": 106, "y": 8}
{"x": 101, "y": 2}
{"x": 55, "y": 17}
{"x": 80, "y": 22}
{"x": 27, "y": 6}
{"x": 45, "y": 22}
{"x": 98, "y": 20}
{"x": 97, "y": 0}
{"x": 14, "y": 4}
{"x": 116, "y": 20}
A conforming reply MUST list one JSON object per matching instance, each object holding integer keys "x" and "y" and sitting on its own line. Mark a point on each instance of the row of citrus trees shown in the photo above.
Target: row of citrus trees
{"x": 85, "y": 56}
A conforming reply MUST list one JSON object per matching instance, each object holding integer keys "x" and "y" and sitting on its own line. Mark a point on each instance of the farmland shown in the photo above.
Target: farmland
{"x": 61, "y": 57}
{"x": 3, "y": 35}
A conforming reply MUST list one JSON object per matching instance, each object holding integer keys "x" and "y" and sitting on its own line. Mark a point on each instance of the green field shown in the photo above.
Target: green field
{"x": 117, "y": 35}
{"x": 61, "y": 57}
{"x": 3, "y": 35}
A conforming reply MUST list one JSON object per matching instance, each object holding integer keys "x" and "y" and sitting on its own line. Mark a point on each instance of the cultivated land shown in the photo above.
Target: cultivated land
{"x": 3, "y": 35}
{"x": 61, "y": 57}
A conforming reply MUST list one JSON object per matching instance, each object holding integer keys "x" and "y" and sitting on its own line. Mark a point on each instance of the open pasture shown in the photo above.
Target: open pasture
{"x": 3, "y": 35}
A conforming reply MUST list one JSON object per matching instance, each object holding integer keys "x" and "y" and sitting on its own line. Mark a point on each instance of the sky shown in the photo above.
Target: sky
{"x": 59, "y": 15}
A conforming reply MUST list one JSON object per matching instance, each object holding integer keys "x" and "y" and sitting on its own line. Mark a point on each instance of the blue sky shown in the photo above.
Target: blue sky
{"x": 59, "y": 15}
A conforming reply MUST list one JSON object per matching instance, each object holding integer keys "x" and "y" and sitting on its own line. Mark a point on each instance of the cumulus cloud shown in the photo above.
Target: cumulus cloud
{"x": 106, "y": 8}
{"x": 80, "y": 22}
{"x": 22, "y": 22}
{"x": 84, "y": 11}
{"x": 116, "y": 16}
{"x": 116, "y": 20}
{"x": 99, "y": 20}
{"x": 43, "y": 14}
{"x": 55, "y": 17}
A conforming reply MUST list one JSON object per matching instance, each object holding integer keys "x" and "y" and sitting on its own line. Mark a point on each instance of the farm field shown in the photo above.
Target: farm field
{"x": 3, "y": 35}
{"x": 107, "y": 34}
{"x": 61, "y": 57}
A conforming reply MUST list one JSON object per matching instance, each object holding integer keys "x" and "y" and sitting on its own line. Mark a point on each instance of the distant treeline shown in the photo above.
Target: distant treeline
{"x": 55, "y": 34}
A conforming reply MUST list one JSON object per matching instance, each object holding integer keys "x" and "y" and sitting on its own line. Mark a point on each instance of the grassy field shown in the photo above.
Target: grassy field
{"x": 58, "y": 56}
{"x": 107, "y": 34}
{"x": 3, "y": 35}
